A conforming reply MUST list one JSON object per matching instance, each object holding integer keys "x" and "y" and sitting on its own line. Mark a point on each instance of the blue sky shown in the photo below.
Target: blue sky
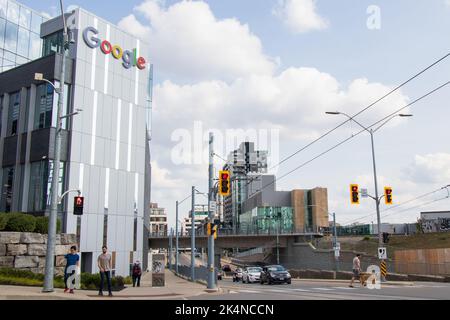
{"x": 413, "y": 155}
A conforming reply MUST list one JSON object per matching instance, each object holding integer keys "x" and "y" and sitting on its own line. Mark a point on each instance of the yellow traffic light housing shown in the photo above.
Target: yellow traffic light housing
{"x": 388, "y": 196}
{"x": 354, "y": 194}
{"x": 215, "y": 231}
{"x": 225, "y": 183}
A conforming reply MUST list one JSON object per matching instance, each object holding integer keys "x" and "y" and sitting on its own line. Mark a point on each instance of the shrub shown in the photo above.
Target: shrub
{"x": 42, "y": 225}
{"x": 366, "y": 238}
{"x": 19, "y": 222}
{"x": 3, "y": 221}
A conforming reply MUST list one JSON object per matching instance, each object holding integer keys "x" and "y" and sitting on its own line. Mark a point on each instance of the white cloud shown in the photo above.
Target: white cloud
{"x": 300, "y": 16}
{"x": 431, "y": 168}
{"x": 188, "y": 42}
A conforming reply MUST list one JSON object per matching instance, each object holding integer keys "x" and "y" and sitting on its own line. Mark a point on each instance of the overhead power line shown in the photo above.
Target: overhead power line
{"x": 362, "y": 111}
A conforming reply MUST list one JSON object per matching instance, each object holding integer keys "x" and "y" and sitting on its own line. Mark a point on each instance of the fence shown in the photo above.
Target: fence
{"x": 201, "y": 273}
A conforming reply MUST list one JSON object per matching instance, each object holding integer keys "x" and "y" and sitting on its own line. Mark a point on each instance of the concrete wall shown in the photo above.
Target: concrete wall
{"x": 320, "y": 207}
{"x": 27, "y": 251}
{"x": 423, "y": 261}
{"x": 298, "y": 205}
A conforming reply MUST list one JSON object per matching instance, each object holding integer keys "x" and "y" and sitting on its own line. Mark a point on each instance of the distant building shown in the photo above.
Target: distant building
{"x": 241, "y": 162}
{"x": 435, "y": 221}
{"x": 158, "y": 220}
{"x": 267, "y": 210}
{"x": 201, "y": 214}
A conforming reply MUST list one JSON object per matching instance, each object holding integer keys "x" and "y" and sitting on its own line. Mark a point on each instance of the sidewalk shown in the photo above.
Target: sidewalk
{"x": 176, "y": 288}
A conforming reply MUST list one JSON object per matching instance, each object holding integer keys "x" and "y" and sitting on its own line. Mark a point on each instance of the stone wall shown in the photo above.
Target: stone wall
{"x": 26, "y": 251}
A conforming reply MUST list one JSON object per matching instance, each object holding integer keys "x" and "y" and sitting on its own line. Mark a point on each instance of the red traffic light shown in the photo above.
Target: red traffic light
{"x": 78, "y": 204}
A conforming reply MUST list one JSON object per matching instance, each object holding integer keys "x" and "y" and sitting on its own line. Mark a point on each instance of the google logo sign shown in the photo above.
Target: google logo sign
{"x": 129, "y": 58}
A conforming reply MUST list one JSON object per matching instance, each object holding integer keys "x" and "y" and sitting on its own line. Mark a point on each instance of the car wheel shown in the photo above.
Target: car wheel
{"x": 289, "y": 282}
{"x": 269, "y": 282}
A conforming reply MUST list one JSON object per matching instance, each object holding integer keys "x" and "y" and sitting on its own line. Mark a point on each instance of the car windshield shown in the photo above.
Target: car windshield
{"x": 254, "y": 269}
{"x": 276, "y": 268}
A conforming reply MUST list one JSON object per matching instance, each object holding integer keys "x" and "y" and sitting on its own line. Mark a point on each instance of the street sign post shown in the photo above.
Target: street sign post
{"x": 382, "y": 253}
{"x": 364, "y": 193}
{"x": 337, "y": 253}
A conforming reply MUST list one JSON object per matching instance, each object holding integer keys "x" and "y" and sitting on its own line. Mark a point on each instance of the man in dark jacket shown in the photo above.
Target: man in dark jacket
{"x": 136, "y": 274}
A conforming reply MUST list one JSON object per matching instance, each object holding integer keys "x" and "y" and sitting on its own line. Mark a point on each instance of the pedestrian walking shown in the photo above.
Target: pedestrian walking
{"x": 72, "y": 259}
{"x": 104, "y": 265}
{"x": 137, "y": 272}
{"x": 356, "y": 269}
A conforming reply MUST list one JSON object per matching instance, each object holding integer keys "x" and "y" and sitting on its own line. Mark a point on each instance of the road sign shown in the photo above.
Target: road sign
{"x": 213, "y": 206}
{"x": 383, "y": 268}
{"x": 364, "y": 193}
{"x": 382, "y": 253}
{"x": 337, "y": 253}
{"x": 337, "y": 246}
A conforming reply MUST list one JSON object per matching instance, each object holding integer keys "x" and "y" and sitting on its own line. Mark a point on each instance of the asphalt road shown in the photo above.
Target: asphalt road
{"x": 324, "y": 290}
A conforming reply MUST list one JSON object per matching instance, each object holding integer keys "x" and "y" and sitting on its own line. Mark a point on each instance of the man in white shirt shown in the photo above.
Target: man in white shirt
{"x": 356, "y": 269}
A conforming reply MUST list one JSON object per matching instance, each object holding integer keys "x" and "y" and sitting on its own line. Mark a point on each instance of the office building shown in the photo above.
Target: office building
{"x": 158, "y": 220}
{"x": 105, "y": 148}
{"x": 201, "y": 214}
{"x": 20, "y": 40}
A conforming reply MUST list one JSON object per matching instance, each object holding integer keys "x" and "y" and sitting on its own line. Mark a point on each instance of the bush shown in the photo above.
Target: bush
{"x": 42, "y": 225}
{"x": 3, "y": 221}
{"x": 19, "y": 222}
{"x": 366, "y": 238}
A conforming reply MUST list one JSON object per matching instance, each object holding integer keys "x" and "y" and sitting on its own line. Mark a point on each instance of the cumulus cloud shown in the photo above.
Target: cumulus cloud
{"x": 431, "y": 168}
{"x": 300, "y": 16}
{"x": 189, "y": 43}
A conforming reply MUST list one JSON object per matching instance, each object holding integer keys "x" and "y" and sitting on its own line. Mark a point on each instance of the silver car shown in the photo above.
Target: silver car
{"x": 251, "y": 274}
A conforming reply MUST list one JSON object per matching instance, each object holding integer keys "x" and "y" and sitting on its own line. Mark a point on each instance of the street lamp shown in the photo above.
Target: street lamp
{"x": 50, "y": 257}
{"x": 371, "y": 132}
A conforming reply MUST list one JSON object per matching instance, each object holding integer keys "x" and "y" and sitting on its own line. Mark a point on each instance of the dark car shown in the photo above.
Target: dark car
{"x": 275, "y": 274}
{"x": 226, "y": 268}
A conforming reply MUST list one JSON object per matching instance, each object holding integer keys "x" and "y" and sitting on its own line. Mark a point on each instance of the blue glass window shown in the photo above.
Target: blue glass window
{"x": 23, "y": 42}
{"x": 13, "y": 12}
{"x": 3, "y": 6}
{"x": 25, "y": 17}
{"x": 36, "y": 22}
{"x": 11, "y": 36}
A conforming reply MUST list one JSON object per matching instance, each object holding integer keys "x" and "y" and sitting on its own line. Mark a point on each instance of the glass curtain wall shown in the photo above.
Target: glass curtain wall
{"x": 19, "y": 34}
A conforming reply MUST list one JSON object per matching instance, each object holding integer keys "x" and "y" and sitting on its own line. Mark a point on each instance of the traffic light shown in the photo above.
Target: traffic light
{"x": 388, "y": 195}
{"x": 208, "y": 229}
{"x": 354, "y": 194}
{"x": 385, "y": 237}
{"x": 78, "y": 205}
{"x": 215, "y": 231}
{"x": 224, "y": 183}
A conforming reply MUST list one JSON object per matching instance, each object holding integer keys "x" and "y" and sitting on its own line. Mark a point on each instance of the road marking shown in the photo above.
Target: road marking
{"x": 344, "y": 288}
{"x": 278, "y": 291}
{"x": 249, "y": 291}
{"x": 300, "y": 290}
{"x": 323, "y": 289}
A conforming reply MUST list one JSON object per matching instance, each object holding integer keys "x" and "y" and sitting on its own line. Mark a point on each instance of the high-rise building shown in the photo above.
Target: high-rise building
{"x": 158, "y": 220}
{"x": 105, "y": 148}
{"x": 201, "y": 214}
{"x": 20, "y": 40}
{"x": 241, "y": 162}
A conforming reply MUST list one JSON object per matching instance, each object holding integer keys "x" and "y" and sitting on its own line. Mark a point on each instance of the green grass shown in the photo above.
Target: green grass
{"x": 26, "y": 282}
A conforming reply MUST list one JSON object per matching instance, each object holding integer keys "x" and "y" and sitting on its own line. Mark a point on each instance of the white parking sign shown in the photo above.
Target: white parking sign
{"x": 382, "y": 253}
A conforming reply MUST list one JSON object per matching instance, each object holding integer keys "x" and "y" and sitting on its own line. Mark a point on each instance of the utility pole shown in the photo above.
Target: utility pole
{"x": 211, "y": 198}
{"x": 278, "y": 238}
{"x": 176, "y": 239}
{"x": 170, "y": 248}
{"x": 193, "y": 235}
{"x": 50, "y": 255}
{"x": 335, "y": 240}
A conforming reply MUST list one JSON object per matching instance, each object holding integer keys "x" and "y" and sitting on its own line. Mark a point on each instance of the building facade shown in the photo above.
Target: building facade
{"x": 158, "y": 220}
{"x": 105, "y": 148}
{"x": 20, "y": 40}
{"x": 201, "y": 214}
{"x": 241, "y": 162}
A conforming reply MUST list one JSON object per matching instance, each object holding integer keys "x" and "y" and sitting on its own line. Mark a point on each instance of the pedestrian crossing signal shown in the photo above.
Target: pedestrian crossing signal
{"x": 225, "y": 183}
{"x": 388, "y": 195}
{"x": 354, "y": 194}
{"x": 78, "y": 206}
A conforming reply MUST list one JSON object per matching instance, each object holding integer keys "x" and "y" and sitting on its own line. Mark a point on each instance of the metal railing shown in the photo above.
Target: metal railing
{"x": 201, "y": 272}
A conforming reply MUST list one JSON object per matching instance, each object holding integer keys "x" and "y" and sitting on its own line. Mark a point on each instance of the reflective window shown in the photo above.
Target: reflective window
{"x": 35, "y": 46}
{"x": 36, "y": 22}
{"x": 23, "y": 42}
{"x": 2, "y": 31}
{"x": 3, "y": 6}
{"x": 25, "y": 17}
{"x": 44, "y": 106}
{"x": 53, "y": 43}
{"x": 21, "y": 60}
{"x": 13, "y": 12}
{"x": 13, "y": 116}
{"x": 7, "y": 189}
{"x": 39, "y": 190}
{"x": 11, "y": 36}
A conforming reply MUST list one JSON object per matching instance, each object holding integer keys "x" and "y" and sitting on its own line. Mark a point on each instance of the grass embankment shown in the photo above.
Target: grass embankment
{"x": 412, "y": 242}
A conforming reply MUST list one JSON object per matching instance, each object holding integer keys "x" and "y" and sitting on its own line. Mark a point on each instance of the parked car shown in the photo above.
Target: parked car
{"x": 226, "y": 268}
{"x": 237, "y": 275}
{"x": 275, "y": 274}
{"x": 251, "y": 274}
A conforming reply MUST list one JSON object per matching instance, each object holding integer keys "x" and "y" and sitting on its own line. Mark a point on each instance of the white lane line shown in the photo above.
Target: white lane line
{"x": 278, "y": 291}
{"x": 300, "y": 290}
{"x": 323, "y": 289}
{"x": 344, "y": 288}
{"x": 249, "y": 291}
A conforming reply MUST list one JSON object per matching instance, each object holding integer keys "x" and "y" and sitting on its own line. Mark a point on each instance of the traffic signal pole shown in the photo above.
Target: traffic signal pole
{"x": 211, "y": 267}
{"x": 193, "y": 236}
